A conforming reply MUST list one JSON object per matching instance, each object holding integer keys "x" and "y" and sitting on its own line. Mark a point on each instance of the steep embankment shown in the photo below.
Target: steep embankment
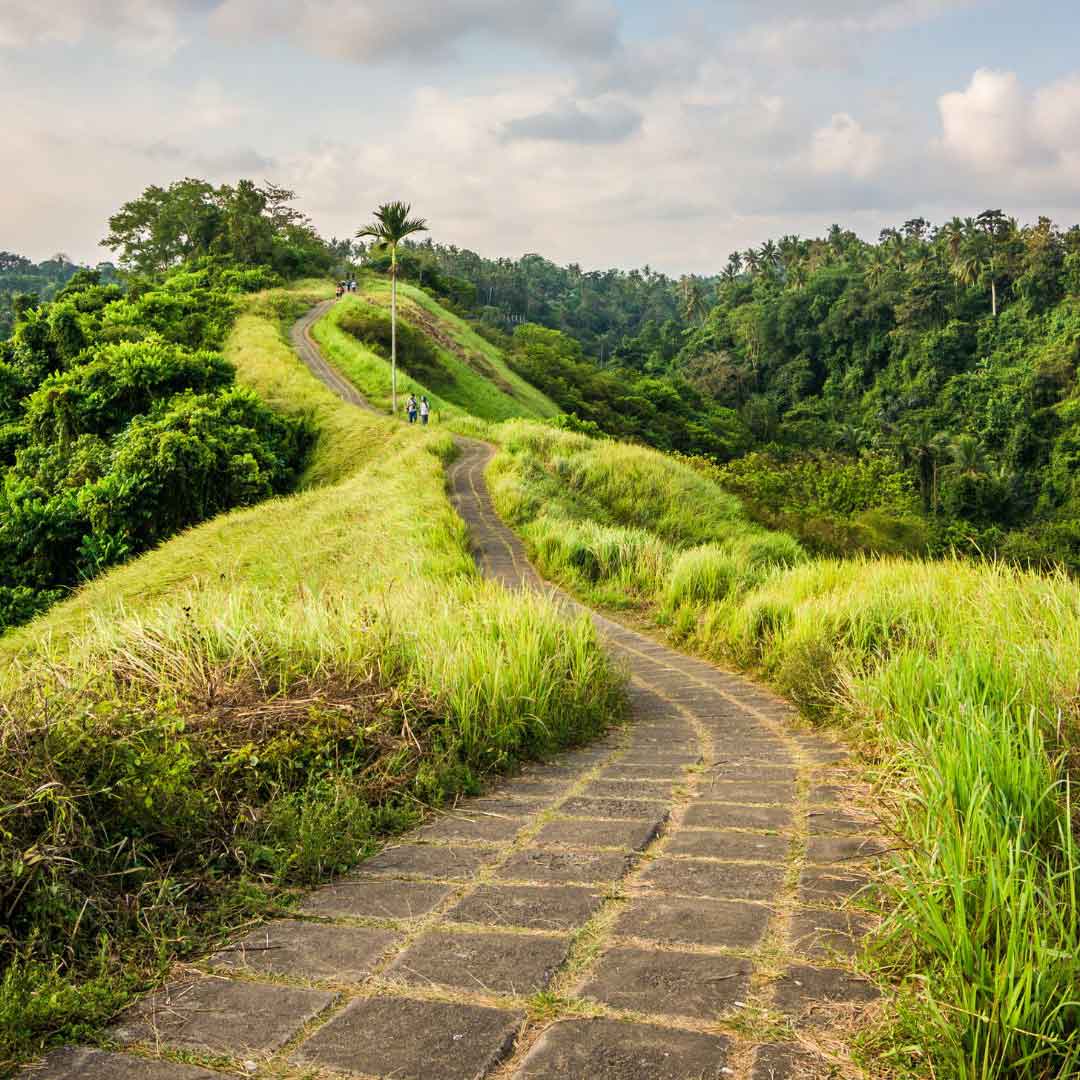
{"x": 460, "y": 372}
{"x": 250, "y": 704}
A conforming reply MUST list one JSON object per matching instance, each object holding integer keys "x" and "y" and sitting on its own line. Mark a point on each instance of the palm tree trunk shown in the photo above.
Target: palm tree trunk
{"x": 393, "y": 333}
{"x": 993, "y": 296}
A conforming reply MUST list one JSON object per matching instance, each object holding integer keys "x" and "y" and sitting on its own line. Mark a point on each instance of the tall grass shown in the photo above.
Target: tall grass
{"x": 248, "y": 707}
{"x": 959, "y": 679}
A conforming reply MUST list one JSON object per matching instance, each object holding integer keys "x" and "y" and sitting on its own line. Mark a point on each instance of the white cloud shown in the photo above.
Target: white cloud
{"x": 380, "y": 30}
{"x": 147, "y": 27}
{"x": 567, "y": 121}
{"x": 1018, "y": 138}
{"x": 844, "y": 146}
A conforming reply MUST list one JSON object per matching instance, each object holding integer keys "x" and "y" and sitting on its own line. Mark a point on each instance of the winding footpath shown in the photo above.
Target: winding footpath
{"x": 673, "y": 902}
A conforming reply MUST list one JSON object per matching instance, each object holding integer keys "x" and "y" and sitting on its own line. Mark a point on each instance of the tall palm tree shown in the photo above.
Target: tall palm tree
{"x": 391, "y": 225}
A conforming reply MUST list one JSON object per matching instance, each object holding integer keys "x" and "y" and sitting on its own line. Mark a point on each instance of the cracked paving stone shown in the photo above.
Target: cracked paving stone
{"x": 820, "y": 935}
{"x": 488, "y": 963}
{"x": 828, "y": 885}
{"x": 562, "y": 866}
{"x": 669, "y": 983}
{"x": 427, "y": 861}
{"x": 729, "y": 844}
{"x": 715, "y": 923}
{"x": 82, "y": 1063}
{"x": 458, "y": 826}
{"x": 711, "y": 815}
{"x": 533, "y": 907}
{"x": 696, "y": 877}
{"x": 618, "y": 809}
{"x": 376, "y": 899}
{"x": 784, "y": 1061}
{"x": 413, "y": 1040}
{"x": 824, "y": 822}
{"x": 805, "y": 993}
{"x": 308, "y": 951}
{"x": 840, "y": 849}
{"x": 749, "y": 791}
{"x": 582, "y": 833}
{"x": 603, "y": 1049}
{"x": 223, "y": 1016}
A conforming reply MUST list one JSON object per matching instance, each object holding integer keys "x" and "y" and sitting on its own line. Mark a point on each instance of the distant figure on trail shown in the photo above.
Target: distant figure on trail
{"x": 352, "y": 285}
{"x": 340, "y": 291}
{"x": 410, "y": 408}
{"x": 425, "y": 409}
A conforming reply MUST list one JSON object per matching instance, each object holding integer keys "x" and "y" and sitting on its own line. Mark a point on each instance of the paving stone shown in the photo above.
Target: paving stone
{"x": 603, "y": 1049}
{"x": 428, "y": 861}
{"x": 697, "y": 877}
{"x": 716, "y": 923}
{"x": 804, "y": 993}
{"x": 785, "y": 1061}
{"x": 825, "y": 822}
{"x": 668, "y": 983}
{"x": 413, "y": 1040}
{"x": 511, "y": 806}
{"x": 562, "y": 866}
{"x": 829, "y": 795}
{"x": 480, "y": 827}
{"x": 749, "y": 791}
{"x": 628, "y": 789}
{"x": 531, "y": 785}
{"x": 376, "y": 899}
{"x": 829, "y": 885}
{"x": 712, "y": 815}
{"x": 621, "y": 771}
{"x": 618, "y": 809}
{"x": 223, "y": 1016}
{"x": 668, "y": 758}
{"x": 729, "y": 844}
{"x": 308, "y": 951}
{"x": 750, "y": 770}
{"x": 820, "y": 935}
{"x": 843, "y": 849}
{"x": 582, "y": 833}
{"x": 82, "y": 1063}
{"x": 489, "y": 963}
{"x": 535, "y": 907}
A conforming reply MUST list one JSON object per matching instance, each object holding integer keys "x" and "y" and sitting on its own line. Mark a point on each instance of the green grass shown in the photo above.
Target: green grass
{"x": 491, "y": 393}
{"x": 250, "y": 706}
{"x": 957, "y": 679}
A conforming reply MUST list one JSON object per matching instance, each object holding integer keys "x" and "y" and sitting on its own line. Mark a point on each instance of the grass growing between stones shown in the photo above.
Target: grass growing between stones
{"x": 958, "y": 679}
{"x": 250, "y": 706}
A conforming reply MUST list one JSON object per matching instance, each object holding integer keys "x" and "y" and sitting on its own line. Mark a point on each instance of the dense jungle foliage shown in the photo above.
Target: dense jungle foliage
{"x": 24, "y": 283}
{"x": 120, "y": 422}
{"x": 939, "y": 361}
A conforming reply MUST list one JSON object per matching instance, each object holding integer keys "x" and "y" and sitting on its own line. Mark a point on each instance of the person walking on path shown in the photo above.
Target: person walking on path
{"x": 410, "y": 408}
{"x": 425, "y": 409}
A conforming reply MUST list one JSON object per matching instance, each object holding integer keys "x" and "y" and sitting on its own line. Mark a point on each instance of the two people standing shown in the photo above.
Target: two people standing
{"x": 423, "y": 408}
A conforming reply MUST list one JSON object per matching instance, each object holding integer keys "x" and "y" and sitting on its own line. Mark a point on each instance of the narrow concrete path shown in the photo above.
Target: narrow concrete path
{"x": 671, "y": 903}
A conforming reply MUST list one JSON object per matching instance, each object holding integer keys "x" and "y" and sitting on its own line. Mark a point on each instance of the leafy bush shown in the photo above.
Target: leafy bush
{"x": 415, "y": 352}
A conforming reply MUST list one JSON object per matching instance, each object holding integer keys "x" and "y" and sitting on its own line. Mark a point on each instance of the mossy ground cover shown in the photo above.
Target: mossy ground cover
{"x": 248, "y": 707}
{"x": 957, "y": 679}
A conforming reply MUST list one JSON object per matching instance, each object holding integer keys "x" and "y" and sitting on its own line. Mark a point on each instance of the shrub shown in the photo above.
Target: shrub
{"x": 416, "y": 354}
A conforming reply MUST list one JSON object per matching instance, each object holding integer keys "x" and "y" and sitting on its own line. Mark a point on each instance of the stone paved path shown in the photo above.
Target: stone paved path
{"x": 671, "y": 903}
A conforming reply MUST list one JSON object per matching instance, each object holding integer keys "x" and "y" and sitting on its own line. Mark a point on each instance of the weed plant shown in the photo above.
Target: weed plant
{"x": 959, "y": 679}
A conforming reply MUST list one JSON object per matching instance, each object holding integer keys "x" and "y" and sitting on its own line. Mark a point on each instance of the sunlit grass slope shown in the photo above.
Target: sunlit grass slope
{"x": 959, "y": 680}
{"x": 482, "y": 385}
{"x": 247, "y": 706}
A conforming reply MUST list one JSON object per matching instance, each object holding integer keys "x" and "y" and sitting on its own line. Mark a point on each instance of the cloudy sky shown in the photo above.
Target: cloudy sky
{"x": 609, "y": 132}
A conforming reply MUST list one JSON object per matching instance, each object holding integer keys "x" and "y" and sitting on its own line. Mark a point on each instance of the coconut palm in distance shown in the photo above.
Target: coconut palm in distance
{"x": 391, "y": 225}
